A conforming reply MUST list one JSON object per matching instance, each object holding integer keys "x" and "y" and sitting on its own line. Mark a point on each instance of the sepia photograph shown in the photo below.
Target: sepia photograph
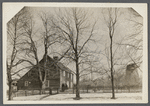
{"x": 66, "y": 53}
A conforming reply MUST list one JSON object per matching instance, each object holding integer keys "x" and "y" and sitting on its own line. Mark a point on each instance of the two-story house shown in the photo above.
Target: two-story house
{"x": 56, "y": 75}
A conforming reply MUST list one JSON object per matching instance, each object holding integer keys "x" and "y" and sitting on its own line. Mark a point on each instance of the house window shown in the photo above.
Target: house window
{"x": 63, "y": 73}
{"x": 72, "y": 77}
{"x": 68, "y": 75}
{"x": 26, "y": 83}
{"x": 68, "y": 84}
{"x": 47, "y": 83}
{"x": 71, "y": 85}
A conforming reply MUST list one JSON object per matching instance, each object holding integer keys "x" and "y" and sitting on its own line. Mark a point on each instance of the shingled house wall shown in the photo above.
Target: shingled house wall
{"x": 55, "y": 77}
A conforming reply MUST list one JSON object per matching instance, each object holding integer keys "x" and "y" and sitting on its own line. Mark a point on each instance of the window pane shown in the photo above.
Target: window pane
{"x": 64, "y": 73}
{"x": 71, "y": 76}
{"x": 26, "y": 83}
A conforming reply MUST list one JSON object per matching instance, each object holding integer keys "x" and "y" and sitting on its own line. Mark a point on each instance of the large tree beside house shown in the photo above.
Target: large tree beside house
{"x": 77, "y": 30}
{"x": 14, "y": 33}
{"x": 30, "y": 45}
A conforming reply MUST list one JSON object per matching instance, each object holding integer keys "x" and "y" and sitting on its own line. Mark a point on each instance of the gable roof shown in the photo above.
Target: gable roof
{"x": 64, "y": 68}
{"x": 59, "y": 64}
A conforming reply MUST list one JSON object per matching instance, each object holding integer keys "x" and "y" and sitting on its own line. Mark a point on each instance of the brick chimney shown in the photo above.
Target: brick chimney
{"x": 55, "y": 58}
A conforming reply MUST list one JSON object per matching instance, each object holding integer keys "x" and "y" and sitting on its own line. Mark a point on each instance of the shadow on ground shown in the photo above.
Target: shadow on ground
{"x": 47, "y": 96}
{"x": 82, "y": 98}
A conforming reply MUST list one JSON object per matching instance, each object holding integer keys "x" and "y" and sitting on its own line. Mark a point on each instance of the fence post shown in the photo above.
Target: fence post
{"x": 121, "y": 89}
{"x": 83, "y": 89}
{"x": 103, "y": 88}
{"x": 94, "y": 89}
{"x": 32, "y": 92}
{"x": 25, "y": 93}
{"x": 87, "y": 89}
{"x": 128, "y": 89}
{"x": 57, "y": 90}
{"x": 50, "y": 91}
{"x": 40, "y": 91}
{"x": 15, "y": 94}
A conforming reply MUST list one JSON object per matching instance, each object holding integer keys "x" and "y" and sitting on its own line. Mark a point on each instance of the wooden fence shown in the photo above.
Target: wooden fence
{"x": 86, "y": 89}
{"x": 34, "y": 92}
{"x": 89, "y": 89}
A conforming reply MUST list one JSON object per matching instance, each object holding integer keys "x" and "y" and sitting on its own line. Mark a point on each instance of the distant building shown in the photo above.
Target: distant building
{"x": 132, "y": 76}
{"x": 56, "y": 76}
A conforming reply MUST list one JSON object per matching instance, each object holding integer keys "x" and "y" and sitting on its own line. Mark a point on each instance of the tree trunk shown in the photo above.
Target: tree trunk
{"x": 112, "y": 74}
{"x": 10, "y": 91}
{"x": 77, "y": 81}
{"x": 9, "y": 84}
{"x": 42, "y": 87}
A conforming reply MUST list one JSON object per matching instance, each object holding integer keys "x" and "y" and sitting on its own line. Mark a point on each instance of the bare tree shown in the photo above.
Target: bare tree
{"x": 135, "y": 46}
{"x": 75, "y": 27}
{"x": 14, "y": 33}
{"x": 111, "y": 18}
{"x": 29, "y": 43}
{"x": 49, "y": 38}
{"x": 132, "y": 44}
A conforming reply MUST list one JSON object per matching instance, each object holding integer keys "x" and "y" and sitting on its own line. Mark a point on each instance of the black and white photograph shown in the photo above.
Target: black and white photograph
{"x": 75, "y": 53}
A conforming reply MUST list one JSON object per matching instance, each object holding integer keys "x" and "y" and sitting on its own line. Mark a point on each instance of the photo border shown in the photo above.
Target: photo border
{"x": 145, "y": 47}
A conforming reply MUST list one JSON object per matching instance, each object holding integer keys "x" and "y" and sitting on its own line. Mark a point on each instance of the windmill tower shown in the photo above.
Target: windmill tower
{"x": 132, "y": 76}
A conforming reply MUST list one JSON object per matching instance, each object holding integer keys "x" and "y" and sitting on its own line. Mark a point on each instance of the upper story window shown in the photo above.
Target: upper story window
{"x": 68, "y": 75}
{"x": 64, "y": 73}
{"x": 71, "y": 76}
{"x": 26, "y": 83}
